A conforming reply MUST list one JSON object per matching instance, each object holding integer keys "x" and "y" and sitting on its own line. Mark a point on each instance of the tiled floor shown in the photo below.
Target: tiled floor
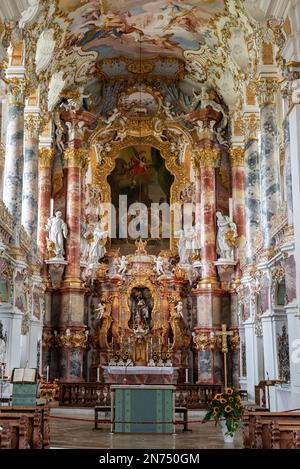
{"x": 67, "y": 433}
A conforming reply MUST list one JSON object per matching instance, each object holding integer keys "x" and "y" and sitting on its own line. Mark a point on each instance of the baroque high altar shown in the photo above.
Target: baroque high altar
{"x": 147, "y": 217}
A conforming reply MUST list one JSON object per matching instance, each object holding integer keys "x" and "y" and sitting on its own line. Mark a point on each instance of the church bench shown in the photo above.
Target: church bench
{"x": 39, "y": 422}
{"x": 256, "y": 426}
{"x": 43, "y": 411}
{"x": 98, "y": 409}
{"x": 285, "y": 435}
{"x": 15, "y": 434}
{"x": 183, "y": 411}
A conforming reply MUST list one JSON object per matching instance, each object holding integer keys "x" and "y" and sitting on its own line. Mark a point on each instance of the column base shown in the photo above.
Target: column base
{"x": 209, "y": 282}
{"x": 73, "y": 282}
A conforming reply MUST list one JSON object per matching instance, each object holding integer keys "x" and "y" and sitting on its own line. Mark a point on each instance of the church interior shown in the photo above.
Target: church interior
{"x": 149, "y": 222}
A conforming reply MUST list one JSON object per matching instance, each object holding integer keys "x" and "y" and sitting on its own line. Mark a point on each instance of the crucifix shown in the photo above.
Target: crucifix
{"x": 224, "y": 334}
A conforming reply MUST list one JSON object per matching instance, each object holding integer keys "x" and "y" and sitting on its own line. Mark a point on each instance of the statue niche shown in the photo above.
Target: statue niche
{"x": 140, "y": 323}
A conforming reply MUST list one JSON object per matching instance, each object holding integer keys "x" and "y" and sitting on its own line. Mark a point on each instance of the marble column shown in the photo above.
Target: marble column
{"x": 76, "y": 159}
{"x": 44, "y": 194}
{"x": 33, "y": 123}
{"x": 267, "y": 89}
{"x": 205, "y": 161}
{"x": 13, "y": 172}
{"x": 238, "y": 188}
{"x": 288, "y": 172}
{"x": 252, "y": 184}
{"x": 208, "y": 292}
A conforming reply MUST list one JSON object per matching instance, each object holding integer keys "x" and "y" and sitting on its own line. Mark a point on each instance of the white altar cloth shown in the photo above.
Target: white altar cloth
{"x": 140, "y": 370}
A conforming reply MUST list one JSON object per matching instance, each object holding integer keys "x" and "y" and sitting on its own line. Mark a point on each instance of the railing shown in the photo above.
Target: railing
{"x": 192, "y": 396}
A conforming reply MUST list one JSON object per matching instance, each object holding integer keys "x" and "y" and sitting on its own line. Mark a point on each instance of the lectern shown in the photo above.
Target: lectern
{"x": 143, "y": 409}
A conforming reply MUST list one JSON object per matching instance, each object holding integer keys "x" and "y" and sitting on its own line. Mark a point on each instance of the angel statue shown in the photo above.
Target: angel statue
{"x": 122, "y": 265}
{"x": 97, "y": 249}
{"x": 44, "y": 49}
{"x": 226, "y": 236}
{"x": 57, "y": 230}
{"x": 159, "y": 265}
{"x": 100, "y": 310}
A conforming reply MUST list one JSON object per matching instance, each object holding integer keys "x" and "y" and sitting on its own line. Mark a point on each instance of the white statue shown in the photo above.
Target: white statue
{"x": 100, "y": 310}
{"x": 84, "y": 244}
{"x": 30, "y": 13}
{"x": 196, "y": 239}
{"x": 159, "y": 265}
{"x": 44, "y": 50}
{"x": 182, "y": 248}
{"x": 111, "y": 119}
{"x": 226, "y": 236}
{"x": 122, "y": 265}
{"x": 97, "y": 250}
{"x": 56, "y": 86}
{"x": 57, "y": 230}
{"x": 168, "y": 110}
{"x": 179, "y": 309}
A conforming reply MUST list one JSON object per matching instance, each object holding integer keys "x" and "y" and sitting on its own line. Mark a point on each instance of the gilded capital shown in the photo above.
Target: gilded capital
{"x": 250, "y": 127}
{"x": 266, "y": 90}
{"x": 237, "y": 156}
{"x": 33, "y": 126}
{"x": 45, "y": 157}
{"x": 17, "y": 91}
{"x": 76, "y": 157}
{"x": 205, "y": 158}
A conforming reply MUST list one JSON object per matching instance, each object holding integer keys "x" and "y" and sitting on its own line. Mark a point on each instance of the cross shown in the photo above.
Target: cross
{"x": 224, "y": 334}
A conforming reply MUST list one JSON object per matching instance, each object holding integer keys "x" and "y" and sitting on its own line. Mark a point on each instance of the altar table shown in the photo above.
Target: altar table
{"x": 151, "y": 409}
{"x": 140, "y": 374}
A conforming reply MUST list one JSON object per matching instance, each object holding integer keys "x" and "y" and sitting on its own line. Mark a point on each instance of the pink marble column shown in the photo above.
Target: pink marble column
{"x": 238, "y": 196}
{"x": 205, "y": 160}
{"x": 75, "y": 158}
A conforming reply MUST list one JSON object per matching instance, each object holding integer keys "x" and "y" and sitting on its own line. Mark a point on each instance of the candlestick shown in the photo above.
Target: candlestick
{"x": 231, "y": 209}
{"x": 51, "y": 207}
{"x": 186, "y": 375}
{"x": 47, "y": 374}
{"x": 98, "y": 374}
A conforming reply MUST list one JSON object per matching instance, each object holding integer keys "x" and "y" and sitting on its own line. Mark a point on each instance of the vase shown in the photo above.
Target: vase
{"x": 227, "y": 438}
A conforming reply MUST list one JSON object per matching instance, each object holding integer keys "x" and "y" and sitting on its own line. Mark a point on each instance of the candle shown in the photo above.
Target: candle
{"x": 231, "y": 209}
{"x": 98, "y": 374}
{"x": 47, "y": 374}
{"x": 51, "y": 207}
{"x": 186, "y": 375}
{"x": 168, "y": 342}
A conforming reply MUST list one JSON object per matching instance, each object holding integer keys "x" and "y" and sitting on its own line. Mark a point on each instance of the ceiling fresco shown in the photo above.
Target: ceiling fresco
{"x": 148, "y": 28}
{"x": 190, "y": 43}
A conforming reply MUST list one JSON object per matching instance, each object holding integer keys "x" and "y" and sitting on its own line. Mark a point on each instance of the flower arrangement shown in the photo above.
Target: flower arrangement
{"x": 226, "y": 406}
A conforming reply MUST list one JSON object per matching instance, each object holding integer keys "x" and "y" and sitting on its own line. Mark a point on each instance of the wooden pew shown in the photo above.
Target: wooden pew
{"x": 39, "y": 427}
{"x": 257, "y": 427}
{"x": 15, "y": 434}
{"x": 285, "y": 435}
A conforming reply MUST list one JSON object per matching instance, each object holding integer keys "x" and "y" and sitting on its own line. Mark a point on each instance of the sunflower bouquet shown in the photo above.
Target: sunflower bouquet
{"x": 226, "y": 406}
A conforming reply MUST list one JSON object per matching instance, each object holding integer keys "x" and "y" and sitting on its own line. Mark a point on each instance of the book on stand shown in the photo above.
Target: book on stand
{"x": 24, "y": 375}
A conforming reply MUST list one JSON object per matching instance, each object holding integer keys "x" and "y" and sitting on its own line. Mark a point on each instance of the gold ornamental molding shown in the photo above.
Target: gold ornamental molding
{"x": 45, "y": 157}
{"x": 76, "y": 339}
{"x": 205, "y": 158}
{"x": 266, "y": 90}
{"x": 33, "y": 126}
{"x": 17, "y": 91}
{"x": 76, "y": 157}
{"x": 250, "y": 126}
{"x": 237, "y": 156}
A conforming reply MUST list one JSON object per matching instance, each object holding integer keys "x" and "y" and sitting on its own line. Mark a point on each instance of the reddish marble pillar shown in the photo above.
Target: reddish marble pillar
{"x": 44, "y": 196}
{"x": 75, "y": 158}
{"x": 238, "y": 196}
{"x": 205, "y": 160}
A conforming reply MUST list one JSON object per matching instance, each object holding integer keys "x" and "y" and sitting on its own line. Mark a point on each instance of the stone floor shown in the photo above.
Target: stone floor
{"x": 67, "y": 433}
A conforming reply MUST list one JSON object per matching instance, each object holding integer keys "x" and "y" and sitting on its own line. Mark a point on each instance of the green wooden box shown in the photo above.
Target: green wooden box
{"x": 24, "y": 394}
{"x": 145, "y": 405}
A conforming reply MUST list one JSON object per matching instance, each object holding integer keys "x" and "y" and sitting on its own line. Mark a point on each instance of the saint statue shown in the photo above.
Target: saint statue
{"x": 57, "y": 230}
{"x": 182, "y": 248}
{"x": 97, "y": 250}
{"x": 226, "y": 236}
{"x": 2, "y": 350}
{"x": 30, "y": 13}
{"x": 44, "y": 50}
